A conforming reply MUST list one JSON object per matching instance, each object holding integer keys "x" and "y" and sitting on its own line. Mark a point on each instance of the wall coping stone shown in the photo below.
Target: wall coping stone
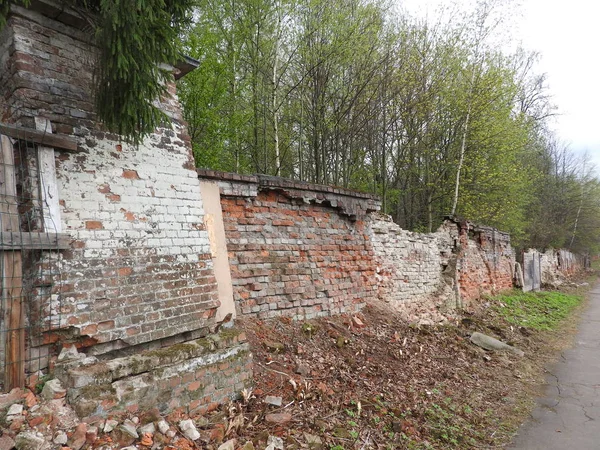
{"x": 477, "y": 228}
{"x": 269, "y": 181}
{"x": 226, "y": 176}
{"x": 351, "y": 203}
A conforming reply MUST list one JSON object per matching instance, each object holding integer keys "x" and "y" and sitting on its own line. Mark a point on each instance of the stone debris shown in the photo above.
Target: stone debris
{"x": 303, "y": 369}
{"x": 60, "y": 438}
{"x": 53, "y": 390}
{"x": 125, "y": 434}
{"x": 49, "y": 423}
{"x": 189, "y": 430}
{"x": 110, "y": 425}
{"x": 14, "y": 410}
{"x": 278, "y": 418}
{"x": 163, "y": 426}
{"x": 78, "y": 438}
{"x": 129, "y": 427}
{"x": 357, "y": 322}
{"x": 29, "y": 440}
{"x": 274, "y": 443}
{"x": 148, "y": 428}
{"x": 313, "y": 441}
{"x": 146, "y": 440}
{"x": 489, "y": 343}
{"x": 6, "y": 442}
{"x": 13, "y": 396}
{"x": 229, "y": 445}
{"x": 30, "y": 400}
{"x": 273, "y": 400}
{"x": 91, "y": 435}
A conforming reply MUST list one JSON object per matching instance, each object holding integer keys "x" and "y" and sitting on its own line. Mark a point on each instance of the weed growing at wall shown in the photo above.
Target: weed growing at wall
{"x": 537, "y": 310}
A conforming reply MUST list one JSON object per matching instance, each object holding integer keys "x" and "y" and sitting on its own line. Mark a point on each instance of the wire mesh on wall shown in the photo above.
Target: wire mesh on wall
{"x": 30, "y": 305}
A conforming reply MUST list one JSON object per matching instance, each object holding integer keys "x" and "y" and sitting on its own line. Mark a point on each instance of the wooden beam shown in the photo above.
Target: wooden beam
{"x": 61, "y": 141}
{"x": 34, "y": 241}
{"x": 12, "y": 274}
{"x": 47, "y": 180}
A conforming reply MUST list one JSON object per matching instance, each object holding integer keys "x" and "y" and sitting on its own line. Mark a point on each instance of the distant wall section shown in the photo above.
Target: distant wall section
{"x": 485, "y": 263}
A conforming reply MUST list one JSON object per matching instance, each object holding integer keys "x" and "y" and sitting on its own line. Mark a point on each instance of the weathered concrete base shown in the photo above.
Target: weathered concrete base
{"x": 193, "y": 377}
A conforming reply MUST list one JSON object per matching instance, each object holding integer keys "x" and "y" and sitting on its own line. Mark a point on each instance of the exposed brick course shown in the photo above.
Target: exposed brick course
{"x": 416, "y": 272}
{"x": 191, "y": 377}
{"x": 292, "y": 256}
{"x": 486, "y": 262}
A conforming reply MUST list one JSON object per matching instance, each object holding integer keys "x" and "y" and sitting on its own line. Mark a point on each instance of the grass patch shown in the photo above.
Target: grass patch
{"x": 537, "y": 310}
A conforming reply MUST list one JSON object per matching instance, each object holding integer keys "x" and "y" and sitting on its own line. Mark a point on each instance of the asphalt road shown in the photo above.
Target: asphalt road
{"x": 568, "y": 417}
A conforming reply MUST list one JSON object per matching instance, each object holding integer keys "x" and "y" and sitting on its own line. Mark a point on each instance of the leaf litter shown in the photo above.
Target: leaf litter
{"x": 372, "y": 381}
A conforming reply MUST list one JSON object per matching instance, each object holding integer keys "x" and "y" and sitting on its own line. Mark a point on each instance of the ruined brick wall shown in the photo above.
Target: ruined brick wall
{"x": 415, "y": 271}
{"x": 486, "y": 262}
{"x": 296, "y": 249}
{"x": 139, "y": 276}
{"x": 429, "y": 275}
{"x": 556, "y": 265}
{"x": 140, "y": 268}
{"x": 303, "y": 250}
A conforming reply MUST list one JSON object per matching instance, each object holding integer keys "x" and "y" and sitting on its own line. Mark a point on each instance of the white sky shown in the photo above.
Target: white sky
{"x": 567, "y": 36}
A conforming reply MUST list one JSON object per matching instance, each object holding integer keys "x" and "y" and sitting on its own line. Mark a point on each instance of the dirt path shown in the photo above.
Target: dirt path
{"x": 568, "y": 417}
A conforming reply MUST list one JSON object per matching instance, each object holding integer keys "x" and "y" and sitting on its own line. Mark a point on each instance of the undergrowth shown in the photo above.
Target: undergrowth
{"x": 536, "y": 310}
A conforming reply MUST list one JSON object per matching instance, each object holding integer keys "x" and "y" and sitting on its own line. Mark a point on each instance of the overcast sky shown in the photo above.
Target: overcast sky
{"x": 566, "y": 34}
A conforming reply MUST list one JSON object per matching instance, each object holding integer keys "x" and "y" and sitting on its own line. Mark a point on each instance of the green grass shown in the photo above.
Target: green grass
{"x": 537, "y": 310}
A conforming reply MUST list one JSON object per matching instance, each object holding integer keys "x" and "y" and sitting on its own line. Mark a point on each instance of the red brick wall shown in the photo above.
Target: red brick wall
{"x": 486, "y": 262}
{"x": 293, "y": 253}
{"x": 304, "y": 250}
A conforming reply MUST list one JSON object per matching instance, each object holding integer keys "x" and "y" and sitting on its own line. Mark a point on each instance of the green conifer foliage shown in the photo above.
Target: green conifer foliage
{"x": 137, "y": 40}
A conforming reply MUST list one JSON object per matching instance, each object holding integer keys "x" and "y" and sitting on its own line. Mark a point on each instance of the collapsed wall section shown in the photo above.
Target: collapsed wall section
{"x": 486, "y": 262}
{"x": 556, "y": 265}
{"x": 415, "y": 271}
{"x": 295, "y": 249}
{"x": 429, "y": 275}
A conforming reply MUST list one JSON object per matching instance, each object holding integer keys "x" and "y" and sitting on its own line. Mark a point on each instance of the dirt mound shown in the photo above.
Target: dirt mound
{"x": 372, "y": 381}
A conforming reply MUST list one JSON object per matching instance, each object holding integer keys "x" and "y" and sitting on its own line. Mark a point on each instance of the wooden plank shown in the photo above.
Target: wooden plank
{"x": 61, "y": 141}
{"x": 12, "y": 276}
{"x": 15, "y": 342}
{"x": 9, "y": 221}
{"x": 47, "y": 179}
{"x": 34, "y": 241}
